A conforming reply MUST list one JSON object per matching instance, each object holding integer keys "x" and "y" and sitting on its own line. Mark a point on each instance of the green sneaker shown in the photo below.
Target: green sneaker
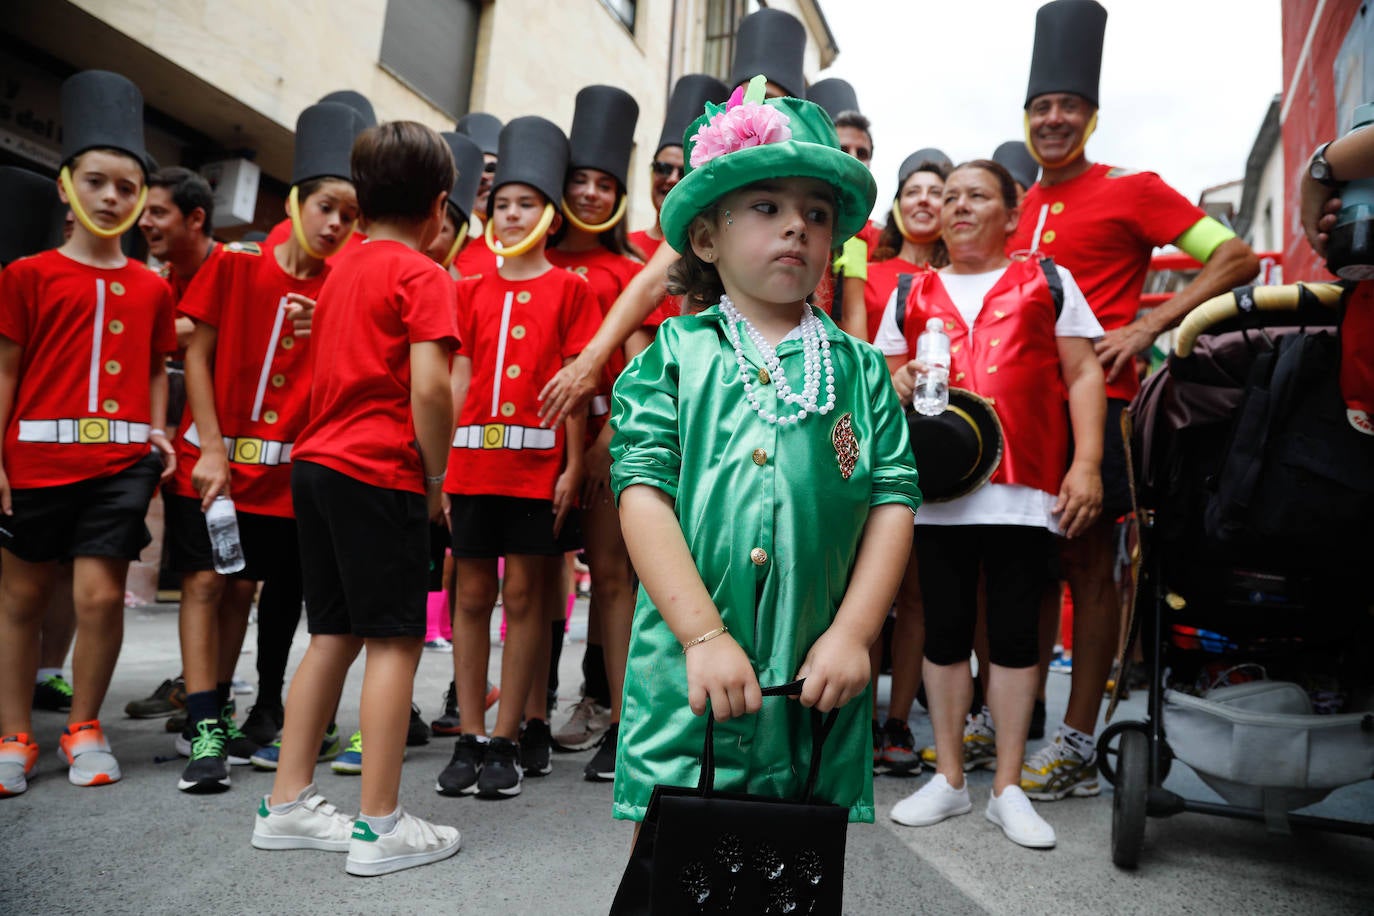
{"x": 266, "y": 758}
{"x": 239, "y": 747}
{"x": 53, "y": 693}
{"x": 350, "y": 762}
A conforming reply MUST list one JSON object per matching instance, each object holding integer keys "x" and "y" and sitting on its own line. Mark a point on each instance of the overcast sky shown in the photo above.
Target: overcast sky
{"x": 1185, "y": 83}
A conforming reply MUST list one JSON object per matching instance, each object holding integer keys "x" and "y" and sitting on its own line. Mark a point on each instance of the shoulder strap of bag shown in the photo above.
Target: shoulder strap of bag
{"x": 820, "y": 730}
{"x": 1056, "y": 284}
{"x": 903, "y": 291}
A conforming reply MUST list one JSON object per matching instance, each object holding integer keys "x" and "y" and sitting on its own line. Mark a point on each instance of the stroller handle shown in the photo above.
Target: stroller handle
{"x": 1246, "y": 299}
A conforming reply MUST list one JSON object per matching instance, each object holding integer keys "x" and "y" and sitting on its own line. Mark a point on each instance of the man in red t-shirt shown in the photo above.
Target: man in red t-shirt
{"x": 1102, "y": 224}
{"x": 83, "y": 336}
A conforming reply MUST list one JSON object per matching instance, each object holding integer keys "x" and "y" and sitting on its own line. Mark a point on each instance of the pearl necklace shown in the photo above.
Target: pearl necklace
{"x": 815, "y": 359}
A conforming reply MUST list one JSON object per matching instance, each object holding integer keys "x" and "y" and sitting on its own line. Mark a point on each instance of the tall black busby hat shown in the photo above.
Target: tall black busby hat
{"x": 689, "y": 98}
{"x": 912, "y": 164}
{"x": 603, "y": 131}
{"x": 32, "y": 220}
{"x": 834, "y": 95}
{"x": 1015, "y": 158}
{"x": 959, "y": 450}
{"x": 355, "y": 100}
{"x": 1067, "y": 56}
{"x": 533, "y": 151}
{"x": 773, "y": 43}
{"x": 484, "y": 128}
{"x": 324, "y": 141}
{"x": 102, "y": 109}
{"x": 467, "y": 156}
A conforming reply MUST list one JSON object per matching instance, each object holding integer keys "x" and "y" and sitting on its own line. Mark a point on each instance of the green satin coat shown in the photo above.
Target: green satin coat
{"x": 683, "y": 425}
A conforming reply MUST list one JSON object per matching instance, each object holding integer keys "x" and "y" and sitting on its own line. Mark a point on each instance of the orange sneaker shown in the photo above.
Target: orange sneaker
{"x": 87, "y": 753}
{"x": 18, "y": 754}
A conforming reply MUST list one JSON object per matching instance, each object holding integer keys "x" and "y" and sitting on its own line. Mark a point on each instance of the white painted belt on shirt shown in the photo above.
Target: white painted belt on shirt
{"x": 249, "y": 449}
{"x": 601, "y": 404}
{"x": 499, "y": 435}
{"x": 84, "y": 431}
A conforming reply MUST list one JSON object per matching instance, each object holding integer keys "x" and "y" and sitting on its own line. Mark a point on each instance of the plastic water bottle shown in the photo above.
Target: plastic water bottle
{"x": 1350, "y": 249}
{"x": 931, "y": 395}
{"x": 225, "y": 546}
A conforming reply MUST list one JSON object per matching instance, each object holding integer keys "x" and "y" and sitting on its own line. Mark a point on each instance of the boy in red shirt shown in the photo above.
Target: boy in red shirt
{"x": 248, "y": 384}
{"x": 84, "y": 332}
{"x": 366, "y": 478}
{"x": 512, "y": 485}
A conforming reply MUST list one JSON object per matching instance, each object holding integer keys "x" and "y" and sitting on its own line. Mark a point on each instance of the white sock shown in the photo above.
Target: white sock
{"x": 45, "y": 673}
{"x": 381, "y": 824}
{"x": 291, "y": 805}
{"x": 1082, "y": 743}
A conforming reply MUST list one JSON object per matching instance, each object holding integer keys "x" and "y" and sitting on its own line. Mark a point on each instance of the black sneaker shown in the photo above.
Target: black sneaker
{"x": 460, "y": 776}
{"x": 418, "y": 732}
{"x": 177, "y": 723}
{"x": 1037, "y": 721}
{"x": 263, "y": 724}
{"x": 536, "y": 748}
{"x": 208, "y": 769}
{"x": 898, "y": 756}
{"x": 239, "y": 747}
{"x": 601, "y": 768}
{"x": 449, "y": 723}
{"x": 166, "y": 700}
{"x": 53, "y": 694}
{"x": 501, "y": 775}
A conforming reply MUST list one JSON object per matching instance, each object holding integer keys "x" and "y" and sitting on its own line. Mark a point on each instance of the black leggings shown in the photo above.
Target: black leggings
{"x": 279, "y": 613}
{"x": 1015, "y": 560}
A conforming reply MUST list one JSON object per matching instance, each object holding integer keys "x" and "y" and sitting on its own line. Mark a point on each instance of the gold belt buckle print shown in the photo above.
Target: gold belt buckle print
{"x": 93, "y": 430}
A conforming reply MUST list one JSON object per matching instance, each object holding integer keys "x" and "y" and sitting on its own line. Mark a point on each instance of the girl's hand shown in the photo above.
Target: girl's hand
{"x": 164, "y": 449}
{"x": 301, "y": 311}
{"x": 210, "y": 476}
{"x": 598, "y": 482}
{"x": 565, "y": 495}
{"x": 719, "y": 670}
{"x": 836, "y": 671}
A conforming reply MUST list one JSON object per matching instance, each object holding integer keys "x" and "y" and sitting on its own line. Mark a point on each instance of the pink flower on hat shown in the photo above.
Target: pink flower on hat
{"x": 741, "y": 125}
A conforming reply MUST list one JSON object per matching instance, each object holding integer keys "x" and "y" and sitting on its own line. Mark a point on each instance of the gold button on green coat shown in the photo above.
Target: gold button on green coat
{"x": 684, "y": 427}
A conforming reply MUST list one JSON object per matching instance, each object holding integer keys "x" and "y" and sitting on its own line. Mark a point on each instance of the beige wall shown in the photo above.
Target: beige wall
{"x": 533, "y": 56}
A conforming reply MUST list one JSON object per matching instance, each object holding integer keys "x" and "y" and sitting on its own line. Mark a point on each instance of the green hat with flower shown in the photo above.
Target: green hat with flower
{"x": 751, "y": 139}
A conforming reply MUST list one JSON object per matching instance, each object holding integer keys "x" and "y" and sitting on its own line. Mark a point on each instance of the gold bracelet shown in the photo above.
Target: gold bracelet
{"x": 705, "y": 637}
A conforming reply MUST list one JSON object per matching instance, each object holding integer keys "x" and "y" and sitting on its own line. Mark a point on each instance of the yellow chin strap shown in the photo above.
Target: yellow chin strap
{"x": 65, "y": 177}
{"x": 458, "y": 241}
{"x": 525, "y": 244}
{"x": 1073, "y": 154}
{"x": 616, "y": 217}
{"x": 293, "y": 205}
{"x": 907, "y": 233}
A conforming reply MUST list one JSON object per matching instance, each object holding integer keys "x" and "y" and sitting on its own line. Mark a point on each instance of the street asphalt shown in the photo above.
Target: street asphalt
{"x": 141, "y": 846}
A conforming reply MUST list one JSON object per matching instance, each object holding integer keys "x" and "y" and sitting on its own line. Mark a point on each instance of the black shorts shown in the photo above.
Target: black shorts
{"x": 269, "y": 541}
{"x": 438, "y": 547}
{"x": 364, "y": 554}
{"x": 1116, "y": 478}
{"x": 101, "y": 517}
{"x": 498, "y": 526}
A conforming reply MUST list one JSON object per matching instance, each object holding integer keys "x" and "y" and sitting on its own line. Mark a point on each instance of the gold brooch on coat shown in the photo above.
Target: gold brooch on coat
{"x": 846, "y": 445}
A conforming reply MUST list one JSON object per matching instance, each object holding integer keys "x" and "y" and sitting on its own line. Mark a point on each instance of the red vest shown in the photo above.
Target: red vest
{"x": 1011, "y": 357}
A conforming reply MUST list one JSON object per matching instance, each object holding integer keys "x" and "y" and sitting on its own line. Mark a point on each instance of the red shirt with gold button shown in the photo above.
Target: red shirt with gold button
{"x": 878, "y": 288}
{"x": 476, "y": 258}
{"x": 261, "y": 374}
{"x": 517, "y": 334}
{"x": 608, "y": 273}
{"x": 90, "y": 336}
{"x": 1103, "y": 226}
{"x": 375, "y": 303}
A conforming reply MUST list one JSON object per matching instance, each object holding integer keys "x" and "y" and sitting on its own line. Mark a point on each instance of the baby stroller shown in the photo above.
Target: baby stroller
{"x": 1255, "y": 505}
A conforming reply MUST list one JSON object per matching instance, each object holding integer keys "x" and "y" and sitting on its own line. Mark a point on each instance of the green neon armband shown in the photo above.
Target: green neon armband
{"x": 1202, "y": 238}
{"x": 853, "y": 259}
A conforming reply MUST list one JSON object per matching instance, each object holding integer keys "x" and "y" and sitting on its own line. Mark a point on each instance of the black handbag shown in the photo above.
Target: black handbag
{"x": 700, "y": 851}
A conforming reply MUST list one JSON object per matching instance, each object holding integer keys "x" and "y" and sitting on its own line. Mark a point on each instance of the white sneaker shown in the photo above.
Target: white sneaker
{"x": 585, "y": 726}
{"x": 413, "y": 842}
{"x": 932, "y": 803}
{"x": 313, "y": 824}
{"x": 1013, "y": 812}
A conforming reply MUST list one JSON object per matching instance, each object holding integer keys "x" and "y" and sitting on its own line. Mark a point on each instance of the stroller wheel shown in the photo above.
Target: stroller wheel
{"x": 1109, "y": 750}
{"x": 1129, "y": 799}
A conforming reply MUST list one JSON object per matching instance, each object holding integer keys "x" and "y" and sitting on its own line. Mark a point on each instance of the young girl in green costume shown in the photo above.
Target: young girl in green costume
{"x": 763, "y": 472}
